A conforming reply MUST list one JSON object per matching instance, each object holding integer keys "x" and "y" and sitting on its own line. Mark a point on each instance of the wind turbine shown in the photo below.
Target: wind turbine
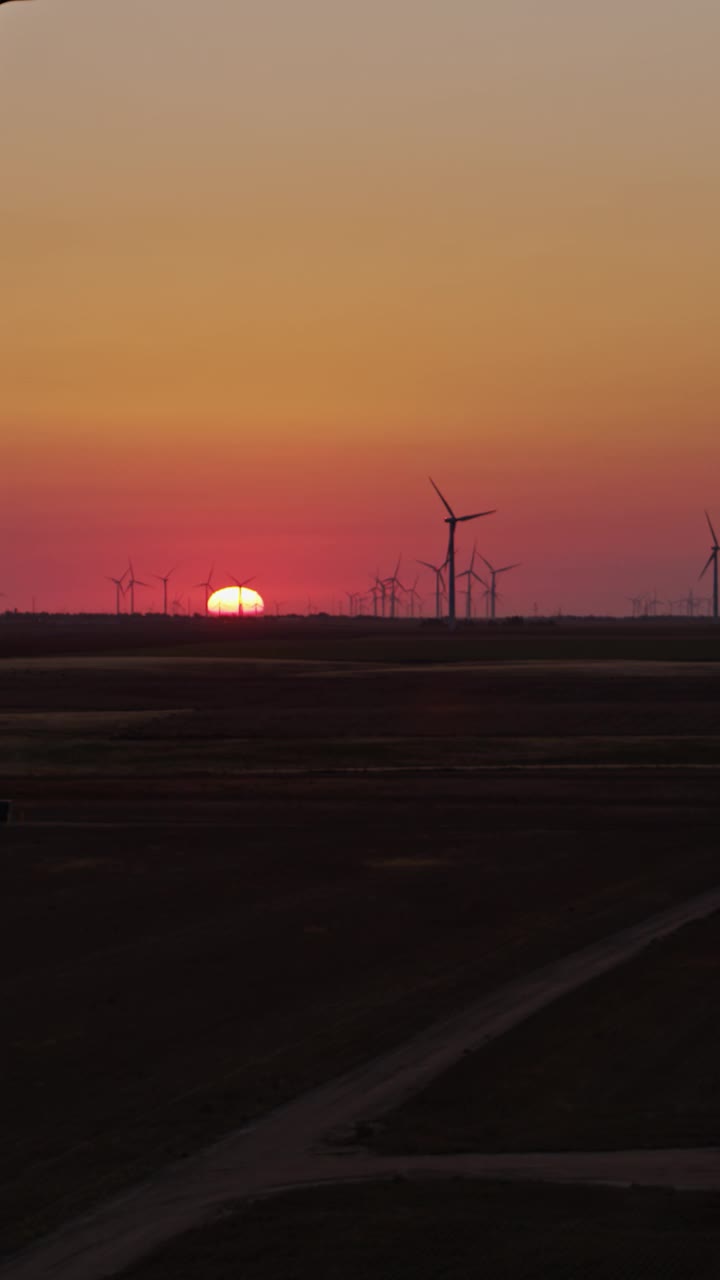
{"x": 164, "y": 579}
{"x": 413, "y": 595}
{"x": 493, "y": 586}
{"x": 240, "y": 585}
{"x": 439, "y": 584}
{"x": 452, "y": 520}
{"x": 380, "y": 586}
{"x": 637, "y": 604}
{"x": 207, "y": 584}
{"x": 394, "y": 582}
{"x": 470, "y": 574}
{"x": 713, "y": 560}
{"x": 119, "y": 589}
{"x": 132, "y": 583}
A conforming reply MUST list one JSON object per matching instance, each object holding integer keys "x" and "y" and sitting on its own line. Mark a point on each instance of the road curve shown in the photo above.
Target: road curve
{"x": 287, "y": 1147}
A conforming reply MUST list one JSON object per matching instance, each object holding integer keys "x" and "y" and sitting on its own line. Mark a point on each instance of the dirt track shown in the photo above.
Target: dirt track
{"x": 286, "y": 1148}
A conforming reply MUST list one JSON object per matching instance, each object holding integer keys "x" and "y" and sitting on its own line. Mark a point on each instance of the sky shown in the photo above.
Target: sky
{"x": 265, "y": 265}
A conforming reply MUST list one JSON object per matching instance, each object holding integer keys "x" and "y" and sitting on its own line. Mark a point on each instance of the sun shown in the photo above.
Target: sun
{"x": 236, "y": 600}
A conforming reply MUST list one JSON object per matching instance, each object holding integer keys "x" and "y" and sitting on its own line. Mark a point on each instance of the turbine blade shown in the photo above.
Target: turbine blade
{"x": 508, "y": 566}
{"x": 444, "y": 501}
{"x": 714, "y": 535}
{"x": 710, "y": 559}
{"x": 487, "y": 562}
{"x": 476, "y": 515}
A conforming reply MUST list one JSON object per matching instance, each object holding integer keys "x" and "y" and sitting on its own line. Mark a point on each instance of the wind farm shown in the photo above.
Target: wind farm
{"x": 359, "y": 645}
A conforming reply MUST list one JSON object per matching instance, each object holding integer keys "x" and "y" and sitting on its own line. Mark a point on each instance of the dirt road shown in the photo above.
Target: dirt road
{"x": 288, "y": 1147}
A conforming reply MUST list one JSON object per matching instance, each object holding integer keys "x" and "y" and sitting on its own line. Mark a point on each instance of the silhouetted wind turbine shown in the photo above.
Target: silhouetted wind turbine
{"x": 413, "y": 595}
{"x": 637, "y": 603}
{"x": 452, "y": 520}
{"x": 439, "y": 584}
{"x": 380, "y": 586}
{"x": 713, "y": 560}
{"x": 394, "y": 582}
{"x": 493, "y": 586}
{"x": 164, "y": 579}
{"x": 207, "y": 584}
{"x": 240, "y": 586}
{"x": 132, "y": 583}
{"x": 119, "y": 588}
{"x": 470, "y": 574}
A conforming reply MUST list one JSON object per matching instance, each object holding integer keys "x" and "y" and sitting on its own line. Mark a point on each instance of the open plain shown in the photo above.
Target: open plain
{"x": 231, "y": 878}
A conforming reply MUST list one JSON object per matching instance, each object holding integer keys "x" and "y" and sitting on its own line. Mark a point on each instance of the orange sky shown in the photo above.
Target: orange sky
{"x": 266, "y": 265}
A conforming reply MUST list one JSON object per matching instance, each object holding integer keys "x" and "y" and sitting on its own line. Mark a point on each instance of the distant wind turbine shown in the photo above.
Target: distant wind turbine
{"x": 393, "y": 582}
{"x": 439, "y": 584}
{"x": 164, "y": 579}
{"x": 713, "y": 560}
{"x": 132, "y": 583}
{"x": 240, "y": 586}
{"x": 452, "y": 520}
{"x": 493, "y": 586}
{"x": 413, "y": 595}
{"x": 470, "y": 574}
{"x": 119, "y": 587}
{"x": 207, "y": 584}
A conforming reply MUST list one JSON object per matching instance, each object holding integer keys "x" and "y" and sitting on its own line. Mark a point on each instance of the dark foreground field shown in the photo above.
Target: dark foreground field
{"x": 631, "y": 1060}
{"x": 227, "y": 881}
{"x": 453, "y": 1231}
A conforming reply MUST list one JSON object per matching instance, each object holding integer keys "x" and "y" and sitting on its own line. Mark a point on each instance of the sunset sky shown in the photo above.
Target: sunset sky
{"x": 267, "y": 264}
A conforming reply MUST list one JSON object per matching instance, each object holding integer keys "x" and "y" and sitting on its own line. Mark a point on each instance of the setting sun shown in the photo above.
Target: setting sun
{"x": 236, "y": 600}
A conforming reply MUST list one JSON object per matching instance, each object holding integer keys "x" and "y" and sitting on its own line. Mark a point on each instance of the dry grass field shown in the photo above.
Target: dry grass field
{"x": 228, "y": 879}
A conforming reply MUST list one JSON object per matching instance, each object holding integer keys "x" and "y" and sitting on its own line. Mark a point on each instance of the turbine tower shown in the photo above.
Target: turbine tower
{"x": 119, "y": 590}
{"x": 413, "y": 595}
{"x": 207, "y": 584}
{"x": 393, "y": 582}
{"x": 240, "y": 586}
{"x": 164, "y": 579}
{"x": 470, "y": 574}
{"x": 493, "y": 585}
{"x": 452, "y": 520}
{"x": 713, "y": 560}
{"x": 132, "y": 583}
{"x": 439, "y": 584}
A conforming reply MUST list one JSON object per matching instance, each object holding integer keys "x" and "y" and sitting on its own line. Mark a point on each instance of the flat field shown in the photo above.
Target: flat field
{"x": 229, "y": 879}
{"x": 632, "y": 1060}
{"x": 454, "y": 1231}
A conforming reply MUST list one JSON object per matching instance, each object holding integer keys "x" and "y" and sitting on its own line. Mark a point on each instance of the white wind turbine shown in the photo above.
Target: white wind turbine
{"x": 452, "y": 520}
